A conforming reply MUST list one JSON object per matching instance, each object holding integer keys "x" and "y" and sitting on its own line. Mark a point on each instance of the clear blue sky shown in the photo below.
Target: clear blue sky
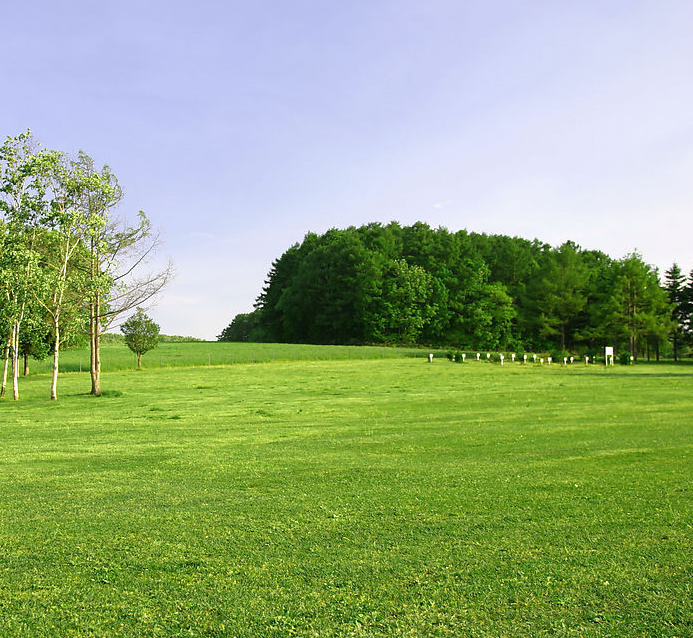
{"x": 240, "y": 126}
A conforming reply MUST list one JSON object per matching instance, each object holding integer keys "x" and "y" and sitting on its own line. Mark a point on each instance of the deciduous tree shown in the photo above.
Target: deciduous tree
{"x": 118, "y": 252}
{"x": 141, "y": 334}
{"x": 23, "y": 182}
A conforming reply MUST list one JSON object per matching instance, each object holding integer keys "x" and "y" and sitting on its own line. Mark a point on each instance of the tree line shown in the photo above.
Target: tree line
{"x": 68, "y": 264}
{"x": 414, "y": 284}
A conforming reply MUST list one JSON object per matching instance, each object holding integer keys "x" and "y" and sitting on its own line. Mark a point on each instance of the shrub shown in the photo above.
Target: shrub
{"x": 559, "y": 355}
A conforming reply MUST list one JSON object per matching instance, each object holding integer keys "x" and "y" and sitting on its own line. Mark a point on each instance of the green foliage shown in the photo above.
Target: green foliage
{"x": 558, "y": 293}
{"x": 326, "y": 299}
{"x": 393, "y": 284}
{"x": 633, "y": 308}
{"x": 244, "y": 327}
{"x": 178, "y": 339}
{"x": 61, "y": 257}
{"x": 112, "y": 337}
{"x": 675, "y": 285}
{"x": 687, "y": 311}
{"x": 403, "y": 305}
{"x": 141, "y": 334}
{"x": 558, "y": 355}
{"x": 36, "y": 340}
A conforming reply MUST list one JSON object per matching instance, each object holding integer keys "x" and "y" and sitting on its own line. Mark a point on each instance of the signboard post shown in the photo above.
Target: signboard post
{"x": 608, "y": 355}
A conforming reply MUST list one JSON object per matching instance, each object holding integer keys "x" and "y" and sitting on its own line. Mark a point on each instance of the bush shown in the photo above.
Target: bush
{"x": 559, "y": 355}
{"x": 624, "y": 358}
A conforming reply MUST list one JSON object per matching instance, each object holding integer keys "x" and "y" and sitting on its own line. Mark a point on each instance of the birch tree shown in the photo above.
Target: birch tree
{"x": 118, "y": 252}
{"x": 60, "y": 245}
{"x": 23, "y": 170}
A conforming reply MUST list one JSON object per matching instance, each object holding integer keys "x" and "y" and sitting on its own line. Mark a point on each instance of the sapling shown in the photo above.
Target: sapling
{"x": 141, "y": 334}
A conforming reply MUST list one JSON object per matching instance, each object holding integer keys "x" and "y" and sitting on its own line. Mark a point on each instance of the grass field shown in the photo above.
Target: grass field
{"x": 116, "y": 356}
{"x": 382, "y": 497}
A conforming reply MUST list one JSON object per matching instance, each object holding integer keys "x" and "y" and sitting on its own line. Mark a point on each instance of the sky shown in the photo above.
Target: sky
{"x": 238, "y": 127}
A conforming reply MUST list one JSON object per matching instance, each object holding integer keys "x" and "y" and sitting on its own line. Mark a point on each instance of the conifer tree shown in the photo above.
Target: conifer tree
{"x": 674, "y": 284}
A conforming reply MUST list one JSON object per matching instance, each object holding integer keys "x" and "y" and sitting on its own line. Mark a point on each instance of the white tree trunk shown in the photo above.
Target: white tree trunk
{"x": 56, "y": 357}
{"x": 15, "y": 361}
{"x": 95, "y": 343}
{"x": 5, "y": 366}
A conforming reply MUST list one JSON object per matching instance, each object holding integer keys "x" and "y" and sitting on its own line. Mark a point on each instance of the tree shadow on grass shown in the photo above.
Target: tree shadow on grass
{"x": 106, "y": 394}
{"x": 649, "y": 375}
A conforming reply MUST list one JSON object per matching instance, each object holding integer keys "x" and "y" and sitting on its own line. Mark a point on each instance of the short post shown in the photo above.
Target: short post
{"x": 587, "y": 360}
{"x": 524, "y": 358}
{"x": 430, "y": 357}
{"x": 464, "y": 356}
{"x": 550, "y": 359}
{"x": 502, "y": 358}
{"x": 572, "y": 359}
{"x": 478, "y": 354}
{"x": 535, "y": 358}
{"x": 541, "y": 361}
{"x": 513, "y": 357}
{"x": 488, "y": 355}
{"x": 565, "y": 361}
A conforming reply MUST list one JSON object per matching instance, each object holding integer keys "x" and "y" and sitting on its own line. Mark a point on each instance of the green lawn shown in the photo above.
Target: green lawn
{"x": 117, "y": 356}
{"x": 382, "y": 497}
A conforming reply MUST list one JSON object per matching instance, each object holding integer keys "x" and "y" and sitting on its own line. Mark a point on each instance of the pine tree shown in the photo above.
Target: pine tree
{"x": 687, "y": 310}
{"x": 674, "y": 284}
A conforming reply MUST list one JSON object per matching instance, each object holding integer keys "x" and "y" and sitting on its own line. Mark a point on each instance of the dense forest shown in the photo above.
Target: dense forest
{"x": 414, "y": 284}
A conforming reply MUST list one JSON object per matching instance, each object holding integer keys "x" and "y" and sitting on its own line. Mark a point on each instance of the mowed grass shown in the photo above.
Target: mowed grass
{"x": 117, "y": 356}
{"x": 386, "y": 497}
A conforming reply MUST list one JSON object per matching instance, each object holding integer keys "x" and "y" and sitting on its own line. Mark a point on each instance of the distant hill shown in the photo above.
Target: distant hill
{"x": 118, "y": 338}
